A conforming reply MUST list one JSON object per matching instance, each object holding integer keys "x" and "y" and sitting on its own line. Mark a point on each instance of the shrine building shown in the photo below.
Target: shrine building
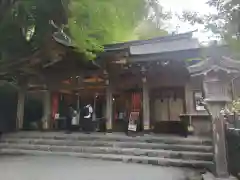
{"x": 163, "y": 79}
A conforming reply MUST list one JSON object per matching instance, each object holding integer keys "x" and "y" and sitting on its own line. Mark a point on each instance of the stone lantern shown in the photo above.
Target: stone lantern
{"x": 216, "y": 73}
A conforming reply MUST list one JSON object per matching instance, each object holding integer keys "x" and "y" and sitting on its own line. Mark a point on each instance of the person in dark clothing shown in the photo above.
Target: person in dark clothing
{"x": 87, "y": 118}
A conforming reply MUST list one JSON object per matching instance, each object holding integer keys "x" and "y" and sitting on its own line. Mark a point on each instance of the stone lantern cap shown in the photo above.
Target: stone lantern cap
{"x": 222, "y": 63}
{"x": 216, "y": 58}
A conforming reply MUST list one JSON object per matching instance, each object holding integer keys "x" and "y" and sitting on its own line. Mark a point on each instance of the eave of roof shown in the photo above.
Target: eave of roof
{"x": 125, "y": 45}
{"x": 174, "y": 55}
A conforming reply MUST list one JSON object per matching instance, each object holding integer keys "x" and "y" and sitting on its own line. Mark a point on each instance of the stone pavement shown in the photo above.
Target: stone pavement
{"x": 70, "y": 168}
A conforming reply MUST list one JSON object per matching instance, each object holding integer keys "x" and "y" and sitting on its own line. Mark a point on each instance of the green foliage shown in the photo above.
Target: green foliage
{"x": 93, "y": 23}
{"x": 234, "y": 107}
{"x": 25, "y": 25}
{"x": 149, "y": 29}
{"x": 12, "y": 37}
{"x": 26, "y": 16}
{"x": 225, "y": 22}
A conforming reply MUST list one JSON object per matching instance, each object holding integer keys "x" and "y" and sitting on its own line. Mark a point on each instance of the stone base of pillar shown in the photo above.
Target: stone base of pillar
{"x": 210, "y": 176}
{"x": 45, "y": 125}
{"x": 109, "y": 131}
{"x": 146, "y": 128}
{"x": 147, "y": 131}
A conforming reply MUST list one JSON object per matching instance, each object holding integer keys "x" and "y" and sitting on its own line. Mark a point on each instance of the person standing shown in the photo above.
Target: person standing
{"x": 87, "y": 118}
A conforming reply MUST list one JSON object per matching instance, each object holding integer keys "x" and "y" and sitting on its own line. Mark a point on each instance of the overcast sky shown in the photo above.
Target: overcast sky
{"x": 177, "y": 6}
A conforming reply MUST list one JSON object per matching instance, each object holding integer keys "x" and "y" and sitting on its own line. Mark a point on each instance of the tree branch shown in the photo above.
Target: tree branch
{"x": 5, "y": 7}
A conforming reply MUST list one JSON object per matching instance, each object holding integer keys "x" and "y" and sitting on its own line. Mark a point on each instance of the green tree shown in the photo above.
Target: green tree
{"x": 148, "y": 29}
{"x": 27, "y": 26}
{"x": 225, "y": 22}
{"x": 93, "y": 23}
{"x": 5, "y": 7}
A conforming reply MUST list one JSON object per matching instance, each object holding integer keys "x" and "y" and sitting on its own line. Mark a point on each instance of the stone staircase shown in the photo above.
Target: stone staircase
{"x": 156, "y": 150}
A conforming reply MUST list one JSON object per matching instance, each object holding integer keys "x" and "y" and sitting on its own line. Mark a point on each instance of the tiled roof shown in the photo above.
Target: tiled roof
{"x": 168, "y": 38}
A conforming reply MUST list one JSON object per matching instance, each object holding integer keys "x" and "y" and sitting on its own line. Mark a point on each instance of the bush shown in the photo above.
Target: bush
{"x": 233, "y": 146}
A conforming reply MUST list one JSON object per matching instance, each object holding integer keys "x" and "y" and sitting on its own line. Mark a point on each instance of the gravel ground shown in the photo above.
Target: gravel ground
{"x": 69, "y": 168}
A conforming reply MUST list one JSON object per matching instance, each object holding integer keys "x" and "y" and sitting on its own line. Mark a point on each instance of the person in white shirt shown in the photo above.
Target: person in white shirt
{"x": 90, "y": 111}
{"x": 87, "y": 118}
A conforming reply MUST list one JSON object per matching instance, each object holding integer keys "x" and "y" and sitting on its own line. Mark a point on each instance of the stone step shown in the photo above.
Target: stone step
{"x": 124, "y": 158}
{"x": 100, "y": 143}
{"x": 110, "y": 150}
{"x": 166, "y": 139}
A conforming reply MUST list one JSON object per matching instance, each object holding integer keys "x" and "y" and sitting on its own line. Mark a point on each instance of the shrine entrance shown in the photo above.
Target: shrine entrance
{"x": 121, "y": 108}
{"x": 124, "y": 104}
{"x": 166, "y": 105}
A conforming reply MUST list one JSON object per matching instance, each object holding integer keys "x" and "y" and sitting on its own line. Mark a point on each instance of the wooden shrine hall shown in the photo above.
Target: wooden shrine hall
{"x": 160, "y": 80}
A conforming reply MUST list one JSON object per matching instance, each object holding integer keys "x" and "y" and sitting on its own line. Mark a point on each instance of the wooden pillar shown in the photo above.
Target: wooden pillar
{"x": 46, "y": 119}
{"x": 109, "y": 107}
{"x": 146, "y": 105}
{"x": 78, "y": 101}
{"x": 216, "y": 97}
{"x": 188, "y": 98}
{"x": 20, "y": 108}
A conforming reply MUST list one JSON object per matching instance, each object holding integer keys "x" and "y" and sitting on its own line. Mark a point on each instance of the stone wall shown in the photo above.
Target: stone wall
{"x": 202, "y": 126}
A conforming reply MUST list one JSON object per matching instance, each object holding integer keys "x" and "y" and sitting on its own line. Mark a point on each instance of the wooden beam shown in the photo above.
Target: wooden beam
{"x": 57, "y": 76}
{"x": 67, "y": 86}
